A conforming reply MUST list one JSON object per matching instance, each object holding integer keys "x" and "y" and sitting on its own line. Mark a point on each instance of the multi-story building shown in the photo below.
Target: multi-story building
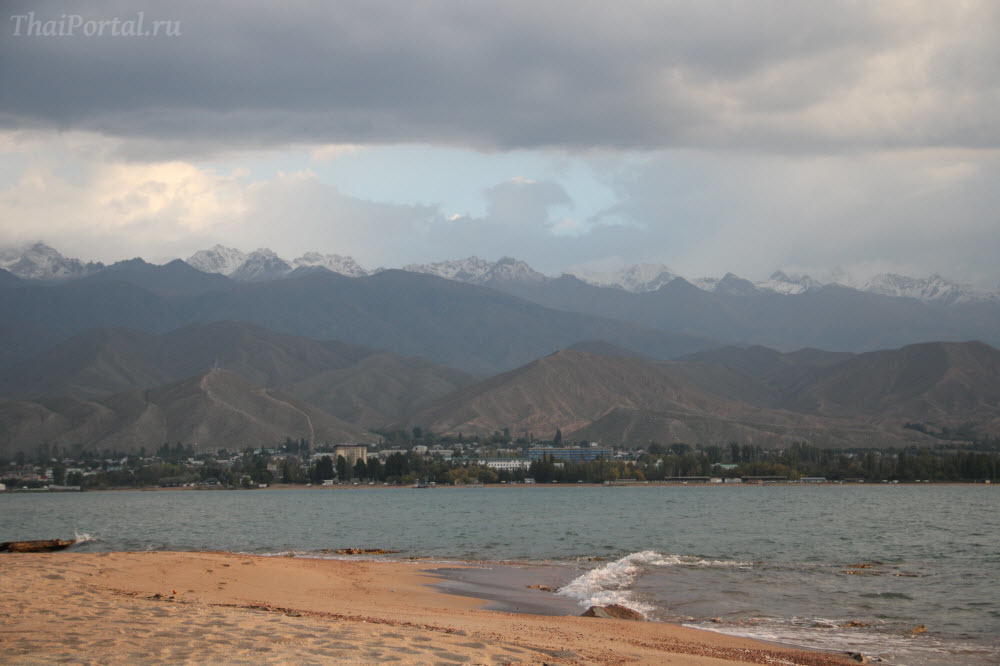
{"x": 351, "y": 453}
{"x": 570, "y": 455}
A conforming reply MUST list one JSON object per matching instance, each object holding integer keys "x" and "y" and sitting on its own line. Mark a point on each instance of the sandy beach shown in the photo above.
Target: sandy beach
{"x": 182, "y": 607}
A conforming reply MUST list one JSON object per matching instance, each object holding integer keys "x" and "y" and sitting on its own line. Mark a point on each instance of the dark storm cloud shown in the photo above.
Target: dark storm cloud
{"x": 771, "y": 75}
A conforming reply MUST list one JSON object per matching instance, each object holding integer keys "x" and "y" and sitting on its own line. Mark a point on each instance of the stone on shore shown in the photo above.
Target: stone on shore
{"x": 613, "y": 611}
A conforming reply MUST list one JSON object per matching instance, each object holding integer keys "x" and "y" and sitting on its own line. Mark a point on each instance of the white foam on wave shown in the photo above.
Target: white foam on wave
{"x": 612, "y": 582}
{"x": 609, "y": 584}
{"x": 83, "y": 537}
{"x": 829, "y": 635}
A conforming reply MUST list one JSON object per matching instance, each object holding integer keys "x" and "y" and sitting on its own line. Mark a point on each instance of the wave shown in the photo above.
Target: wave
{"x": 83, "y": 537}
{"x": 612, "y": 582}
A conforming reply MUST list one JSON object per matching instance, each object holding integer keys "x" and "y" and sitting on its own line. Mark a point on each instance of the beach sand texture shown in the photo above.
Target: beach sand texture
{"x": 182, "y": 607}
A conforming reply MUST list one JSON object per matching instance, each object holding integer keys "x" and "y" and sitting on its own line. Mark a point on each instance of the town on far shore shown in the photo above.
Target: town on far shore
{"x": 423, "y": 459}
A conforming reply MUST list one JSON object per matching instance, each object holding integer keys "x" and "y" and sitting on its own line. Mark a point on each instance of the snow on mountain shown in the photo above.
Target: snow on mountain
{"x": 334, "y": 262}
{"x": 479, "y": 271}
{"x": 637, "y": 279}
{"x": 219, "y": 259}
{"x": 706, "y": 283}
{"x": 264, "y": 264}
{"x": 260, "y": 265}
{"x": 782, "y": 283}
{"x": 933, "y": 288}
{"x": 38, "y": 261}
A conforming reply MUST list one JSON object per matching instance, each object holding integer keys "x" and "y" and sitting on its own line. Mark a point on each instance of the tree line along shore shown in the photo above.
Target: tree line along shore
{"x": 426, "y": 460}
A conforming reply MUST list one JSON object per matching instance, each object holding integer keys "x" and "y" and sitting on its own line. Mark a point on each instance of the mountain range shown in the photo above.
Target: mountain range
{"x": 369, "y": 388}
{"x": 233, "y": 385}
{"x": 38, "y": 261}
{"x": 119, "y": 354}
{"x": 476, "y": 329}
{"x": 787, "y": 313}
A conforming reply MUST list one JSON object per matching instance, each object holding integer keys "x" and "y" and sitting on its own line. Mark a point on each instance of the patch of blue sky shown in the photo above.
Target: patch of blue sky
{"x": 456, "y": 180}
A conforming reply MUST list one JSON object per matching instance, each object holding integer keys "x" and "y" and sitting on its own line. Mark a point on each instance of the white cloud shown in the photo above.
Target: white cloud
{"x": 104, "y": 208}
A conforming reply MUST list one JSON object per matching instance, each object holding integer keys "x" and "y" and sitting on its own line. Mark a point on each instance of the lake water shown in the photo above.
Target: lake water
{"x": 786, "y": 563}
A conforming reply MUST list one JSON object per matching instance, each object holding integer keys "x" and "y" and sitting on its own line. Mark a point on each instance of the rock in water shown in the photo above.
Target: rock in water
{"x": 614, "y": 611}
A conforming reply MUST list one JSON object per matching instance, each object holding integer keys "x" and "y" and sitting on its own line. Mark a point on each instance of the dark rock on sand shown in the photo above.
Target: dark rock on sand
{"x": 614, "y": 611}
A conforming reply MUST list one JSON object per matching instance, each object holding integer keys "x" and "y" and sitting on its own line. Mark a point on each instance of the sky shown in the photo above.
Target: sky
{"x": 712, "y": 137}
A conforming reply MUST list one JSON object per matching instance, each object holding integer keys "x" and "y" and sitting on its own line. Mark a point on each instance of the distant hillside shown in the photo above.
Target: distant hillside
{"x": 566, "y": 390}
{"x": 942, "y": 384}
{"x": 634, "y": 401}
{"x": 217, "y": 409}
{"x": 366, "y": 387}
{"x": 473, "y": 328}
{"x": 601, "y": 348}
{"x": 827, "y": 317}
{"x": 171, "y": 280}
{"x": 758, "y": 375}
{"x": 476, "y": 329}
{"x": 38, "y": 317}
{"x": 8, "y": 279}
{"x": 752, "y": 395}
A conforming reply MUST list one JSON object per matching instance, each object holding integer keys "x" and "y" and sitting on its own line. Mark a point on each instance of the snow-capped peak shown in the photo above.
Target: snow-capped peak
{"x": 706, "y": 283}
{"x": 334, "y": 262}
{"x": 782, "y": 283}
{"x": 933, "y": 288}
{"x": 38, "y": 261}
{"x": 265, "y": 264}
{"x": 637, "y": 279}
{"x": 261, "y": 264}
{"x": 474, "y": 270}
{"x": 218, "y": 259}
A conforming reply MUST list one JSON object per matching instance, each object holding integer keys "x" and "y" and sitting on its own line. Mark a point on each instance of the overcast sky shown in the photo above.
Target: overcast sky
{"x": 709, "y": 136}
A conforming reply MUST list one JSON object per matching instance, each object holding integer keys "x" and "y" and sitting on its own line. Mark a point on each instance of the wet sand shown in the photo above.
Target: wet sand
{"x": 227, "y": 608}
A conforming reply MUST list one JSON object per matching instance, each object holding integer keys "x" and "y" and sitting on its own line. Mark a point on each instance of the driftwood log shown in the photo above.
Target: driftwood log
{"x": 37, "y": 546}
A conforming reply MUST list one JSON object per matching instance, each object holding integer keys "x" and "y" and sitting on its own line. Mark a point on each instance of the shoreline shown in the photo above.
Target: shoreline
{"x": 527, "y": 486}
{"x": 123, "y": 607}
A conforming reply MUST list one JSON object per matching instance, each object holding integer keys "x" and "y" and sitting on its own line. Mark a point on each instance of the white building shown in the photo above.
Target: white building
{"x": 507, "y": 464}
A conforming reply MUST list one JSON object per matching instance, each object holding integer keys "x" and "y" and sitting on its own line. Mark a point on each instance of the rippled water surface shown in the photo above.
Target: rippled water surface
{"x": 794, "y": 564}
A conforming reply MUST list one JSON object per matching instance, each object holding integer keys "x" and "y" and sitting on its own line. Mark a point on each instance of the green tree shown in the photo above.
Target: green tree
{"x": 323, "y": 470}
{"x": 375, "y": 470}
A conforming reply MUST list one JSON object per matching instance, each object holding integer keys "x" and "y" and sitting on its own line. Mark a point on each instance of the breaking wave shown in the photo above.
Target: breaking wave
{"x": 612, "y": 582}
{"x": 83, "y": 537}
